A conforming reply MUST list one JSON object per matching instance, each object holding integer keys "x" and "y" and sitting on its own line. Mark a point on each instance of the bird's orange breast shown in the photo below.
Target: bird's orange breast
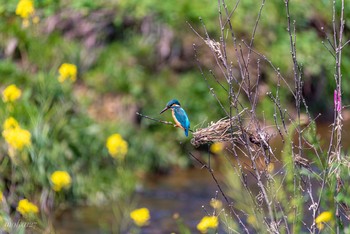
{"x": 176, "y": 122}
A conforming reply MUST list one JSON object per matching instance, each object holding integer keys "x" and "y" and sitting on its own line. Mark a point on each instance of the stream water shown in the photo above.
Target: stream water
{"x": 182, "y": 193}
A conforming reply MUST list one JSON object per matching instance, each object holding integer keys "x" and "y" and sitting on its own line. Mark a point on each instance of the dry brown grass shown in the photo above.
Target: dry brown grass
{"x": 224, "y": 130}
{"x": 229, "y": 130}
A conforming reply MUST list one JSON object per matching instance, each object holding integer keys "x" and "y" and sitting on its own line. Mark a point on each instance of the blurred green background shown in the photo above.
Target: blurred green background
{"x": 134, "y": 56}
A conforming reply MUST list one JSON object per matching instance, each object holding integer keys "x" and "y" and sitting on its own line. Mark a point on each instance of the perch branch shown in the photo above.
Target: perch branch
{"x": 157, "y": 120}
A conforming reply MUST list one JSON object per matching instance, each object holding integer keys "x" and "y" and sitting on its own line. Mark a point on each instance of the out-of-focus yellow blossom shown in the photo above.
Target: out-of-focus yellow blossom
{"x": 10, "y": 123}
{"x": 1, "y": 196}
{"x": 25, "y": 207}
{"x": 320, "y": 226}
{"x": 216, "y": 204}
{"x": 117, "y": 146}
{"x": 25, "y": 9}
{"x": 67, "y": 71}
{"x": 251, "y": 220}
{"x": 16, "y": 137}
{"x": 208, "y": 222}
{"x": 324, "y": 217}
{"x": 217, "y": 147}
{"x": 60, "y": 179}
{"x": 11, "y": 93}
{"x": 140, "y": 216}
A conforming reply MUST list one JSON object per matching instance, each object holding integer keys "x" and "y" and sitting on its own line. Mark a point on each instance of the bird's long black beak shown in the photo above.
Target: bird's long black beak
{"x": 166, "y": 108}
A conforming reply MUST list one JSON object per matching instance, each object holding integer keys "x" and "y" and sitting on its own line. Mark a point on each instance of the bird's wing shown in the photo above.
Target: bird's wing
{"x": 181, "y": 116}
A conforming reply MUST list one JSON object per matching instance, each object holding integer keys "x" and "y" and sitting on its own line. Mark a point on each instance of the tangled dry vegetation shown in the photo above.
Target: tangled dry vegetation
{"x": 230, "y": 130}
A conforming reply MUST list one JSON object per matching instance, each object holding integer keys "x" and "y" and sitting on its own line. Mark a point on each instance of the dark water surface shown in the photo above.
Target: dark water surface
{"x": 182, "y": 192}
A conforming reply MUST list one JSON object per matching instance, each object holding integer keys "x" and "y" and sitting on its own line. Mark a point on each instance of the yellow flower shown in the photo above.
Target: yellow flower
{"x": 10, "y": 123}
{"x": 17, "y": 137}
{"x": 320, "y": 226}
{"x": 325, "y": 216}
{"x": 11, "y": 93}
{"x": 25, "y": 8}
{"x": 25, "y": 207}
{"x": 1, "y": 196}
{"x": 117, "y": 146}
{"x": 60, "y": 179}
{"x": 216, "y": 204}
{"x": 67, "y": 71}
{"x": 140, "y": 216}
{"x": 14, "y": 135}
{"x": 251, "y": 220}
{"x": 217, "y": 147}
{"x": 207, "y": 222}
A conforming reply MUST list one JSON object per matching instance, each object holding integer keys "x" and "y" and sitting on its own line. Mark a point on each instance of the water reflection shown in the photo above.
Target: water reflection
{"x": 183, "y": 193}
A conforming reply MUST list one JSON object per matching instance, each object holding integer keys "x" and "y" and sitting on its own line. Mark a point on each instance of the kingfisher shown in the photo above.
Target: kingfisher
{"x": 179, "y": 115}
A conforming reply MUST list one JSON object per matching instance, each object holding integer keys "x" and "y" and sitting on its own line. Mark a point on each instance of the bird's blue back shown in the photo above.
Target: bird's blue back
{"x": 182, "y": 118}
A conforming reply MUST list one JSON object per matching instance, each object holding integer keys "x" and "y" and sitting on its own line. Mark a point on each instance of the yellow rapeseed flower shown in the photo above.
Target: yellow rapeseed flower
{"x": 14, "y": 135}
{"x": 25, "y": 207}
{"x": 25, "y": 9}
{"x": 60, "y": 179}
{"x": 117, "y": 146}
{"x": 324, "y": 217}
{"x": 10, "y": 123}
{"x": 67, "y": 71}
{"x": 140, "y": 216}
{"x": 217, "y": 147}
{"x": 17, "y": 137}
{"x": 320, "y": 226}
{"x": 208, "y": 222}
{"x": 11, "y": 93}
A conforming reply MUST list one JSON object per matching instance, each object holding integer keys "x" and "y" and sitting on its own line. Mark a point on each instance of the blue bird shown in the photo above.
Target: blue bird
{"x": 179, "y": 115}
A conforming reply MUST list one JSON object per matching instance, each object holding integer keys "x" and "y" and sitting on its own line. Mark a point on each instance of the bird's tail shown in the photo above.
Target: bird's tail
{"x": 186, "y": 132}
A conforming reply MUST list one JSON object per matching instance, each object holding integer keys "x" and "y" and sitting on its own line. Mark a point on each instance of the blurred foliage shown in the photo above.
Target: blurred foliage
{"x": 128, "y": 63}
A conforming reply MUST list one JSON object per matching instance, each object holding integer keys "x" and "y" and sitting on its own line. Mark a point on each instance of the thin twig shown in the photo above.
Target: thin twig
{"x": 221, "y": 191}
{"x": 157, "y": 120}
